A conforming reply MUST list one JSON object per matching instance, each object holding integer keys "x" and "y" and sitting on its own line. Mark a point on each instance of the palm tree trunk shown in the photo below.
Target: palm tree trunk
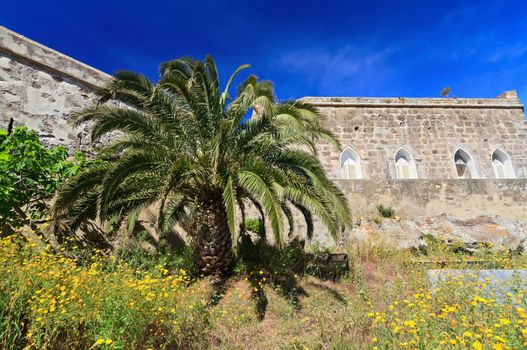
{"x": 212, "y": 241}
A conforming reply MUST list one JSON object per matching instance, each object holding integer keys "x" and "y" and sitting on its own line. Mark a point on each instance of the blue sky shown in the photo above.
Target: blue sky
{"x": 348, "y": 48}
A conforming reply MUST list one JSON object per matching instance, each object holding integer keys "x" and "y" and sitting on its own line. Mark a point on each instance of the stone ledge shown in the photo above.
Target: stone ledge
{"x": 391, "y": 182}
{"x": 29, "y": 50}
{"x": 507, "y": 101}
{"x": 421, "y": 198}
{"x": 416, "y": 187}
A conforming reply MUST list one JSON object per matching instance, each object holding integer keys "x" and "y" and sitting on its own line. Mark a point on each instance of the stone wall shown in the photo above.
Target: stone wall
{"x": 431, "y": 129}
{"x": 40, "y": 88}
{"x": 420, "y": 199}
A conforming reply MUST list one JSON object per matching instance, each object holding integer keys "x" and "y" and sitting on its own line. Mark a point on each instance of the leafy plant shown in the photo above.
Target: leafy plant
{"x": 137, "y": 257}
{"x": 253, "y": 225}
{"x": 385, "y": 211}
{"x": 320, "y": 266}
{"x": 186, "y": 150}
{"x": 30, "y": 176}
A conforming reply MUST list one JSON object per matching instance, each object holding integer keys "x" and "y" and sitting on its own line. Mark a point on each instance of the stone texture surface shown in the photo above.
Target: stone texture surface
{"x": 431, "y": 129}
{"x": 417, "y": 200}
{"x": 408, "y": 234}
{"x": 41, "y": 55}
{"x": 401, "y": 234}
{"x": 40, "y": 88}
{"x": 495, "y": 230}
{"x": 499, "y": 281}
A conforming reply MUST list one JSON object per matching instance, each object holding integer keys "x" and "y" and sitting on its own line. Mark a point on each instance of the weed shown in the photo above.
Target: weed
{"x": 385, "y": 211}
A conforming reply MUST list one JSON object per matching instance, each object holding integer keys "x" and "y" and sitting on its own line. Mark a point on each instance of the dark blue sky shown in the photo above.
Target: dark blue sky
{"x": 348, "y": 48}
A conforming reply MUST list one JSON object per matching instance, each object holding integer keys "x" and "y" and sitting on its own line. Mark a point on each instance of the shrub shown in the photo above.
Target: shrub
{"x": 253, "y": 225}
{"x": 320, "y": 266}
{"x": 385, "y": 212}
{"x": 293, "y": 259}
{"x": 30, "y": 176}
{"x": 178, "y": 259}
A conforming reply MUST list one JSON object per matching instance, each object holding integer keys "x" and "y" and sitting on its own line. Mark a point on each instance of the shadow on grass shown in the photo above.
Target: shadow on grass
{"x": 265, "y": 264}
{"x": 334, "y": 293}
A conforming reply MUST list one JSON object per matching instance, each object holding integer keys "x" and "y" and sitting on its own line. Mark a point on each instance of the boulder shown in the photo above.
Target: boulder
{"x": 399, "y": 234}
{"x": 494, "y": 283}
{"x": 492, "y": 230}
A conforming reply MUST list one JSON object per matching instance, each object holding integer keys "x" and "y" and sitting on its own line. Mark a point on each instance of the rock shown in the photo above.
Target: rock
{"x": 469, "y": 234}
{"x": 400, "y": 234}
{"x": 498, "y": 282}
{"x": 494, "y": 230}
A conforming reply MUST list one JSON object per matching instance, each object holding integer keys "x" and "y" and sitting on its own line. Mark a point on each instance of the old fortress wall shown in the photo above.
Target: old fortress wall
{"x": 40, "y": 88}
{"x": 422, "y": 156}
{"x": 426, "y": 133}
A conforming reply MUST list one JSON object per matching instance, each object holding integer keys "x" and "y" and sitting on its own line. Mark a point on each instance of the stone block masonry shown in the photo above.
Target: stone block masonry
{"x": 419, "y": 199}
{"x": 40, "y": 88}
{"x": 431, "y": 130}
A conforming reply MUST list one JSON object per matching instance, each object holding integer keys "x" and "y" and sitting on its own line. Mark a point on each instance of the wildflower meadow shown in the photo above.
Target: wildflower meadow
{"x": 51, "y": 301}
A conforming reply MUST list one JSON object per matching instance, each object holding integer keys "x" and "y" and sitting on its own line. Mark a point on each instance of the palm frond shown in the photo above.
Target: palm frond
{"x": 261, "y": 191}
{"x": 225, "y": 94}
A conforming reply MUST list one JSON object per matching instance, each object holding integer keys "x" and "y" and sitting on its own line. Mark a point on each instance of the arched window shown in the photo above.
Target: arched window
{"x": 465, "y": 167}
{"x": 350, "y": 167}
{"x": 502, "y": 164}
{"x": 405, "y": 165}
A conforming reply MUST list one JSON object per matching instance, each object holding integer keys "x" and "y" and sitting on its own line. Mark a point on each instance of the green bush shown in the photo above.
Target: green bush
{"x": 30, "y": 176}
{"x": 174, "y": 259}
{"x": 385, "y": 211}
{"x": 292, "y": 259}
{"x": 253, "y": 225}
{"x": 320, "y": 266}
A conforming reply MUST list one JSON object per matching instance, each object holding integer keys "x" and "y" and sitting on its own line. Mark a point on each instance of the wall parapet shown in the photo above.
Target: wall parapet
{"x": 29, "y": 50}
{"x": 507, "y": 100}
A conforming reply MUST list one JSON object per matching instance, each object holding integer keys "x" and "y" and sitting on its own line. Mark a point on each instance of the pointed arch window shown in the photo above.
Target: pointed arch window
{"x": 350, "y": 165}
{"x": 502, "y": 165}
{"x": 405, "y": 165}
{"x": 465, "y": 168}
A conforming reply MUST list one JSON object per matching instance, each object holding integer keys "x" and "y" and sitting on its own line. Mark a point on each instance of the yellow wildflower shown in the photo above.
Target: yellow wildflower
{"x": 500, "y": 339}
{"x": 498, "y": 346}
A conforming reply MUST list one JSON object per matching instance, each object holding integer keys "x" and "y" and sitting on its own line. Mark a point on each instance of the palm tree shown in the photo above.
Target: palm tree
{"x": 192, "y": 152}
